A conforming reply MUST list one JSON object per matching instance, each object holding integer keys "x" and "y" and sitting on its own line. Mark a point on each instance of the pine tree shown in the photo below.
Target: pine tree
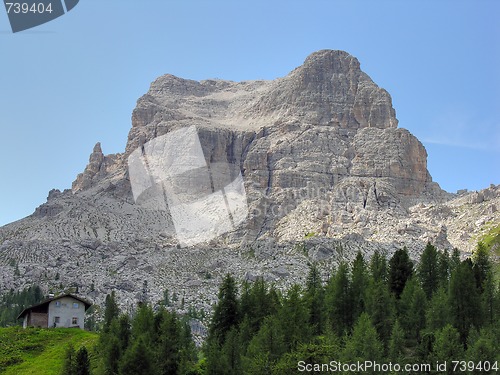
{"x": 69, "y": 363}
{"x": 380, "y": 307}
{"x": 364, "y": 344}
{"x": 136, "y": 360}
{"x": 294, "y": 319}
{"x": 315, "y": 299}
{"x": 267, "y": 346}
{"x": 481, "y": 266}
{"x": 444, "y": 268}
{"x": 232, "y": 352}
{"x": 400, "y": 270}
{"x": 447, "y": 347}
{"x": 438, "y": 311}
{"x": 339, "y": 301}
{"x": 111, "y": 309}
{"x": 485, "y": 349}
{"x": 111, "y": 355}
{"x": 396, "y": 344}
{"x": 454, "y": 260}
{"x": 378, "y": 267}
{"x": 226, "y": 314}
{"x": 169, "y": 347}
{"x": 412, "y": 309}
{"x": 82, "y": 365}
{"x": 143, "y": 325}
{"x": 359, "y": 286}
{"x": 464, "y": 300}
{"x": 428, "y": 271}
{"x": 320, "y": 351}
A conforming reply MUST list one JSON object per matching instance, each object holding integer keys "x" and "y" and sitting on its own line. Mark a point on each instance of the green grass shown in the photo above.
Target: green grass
{"x": 39, "y": 351}
{"x": 491, "y": 239}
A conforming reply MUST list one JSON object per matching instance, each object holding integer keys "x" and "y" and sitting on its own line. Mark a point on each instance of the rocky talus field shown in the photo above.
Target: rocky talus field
{"x": 326, "y": 169}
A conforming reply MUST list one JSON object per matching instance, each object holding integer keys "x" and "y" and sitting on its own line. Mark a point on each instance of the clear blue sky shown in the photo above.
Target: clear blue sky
{"x": 74, "y": 81}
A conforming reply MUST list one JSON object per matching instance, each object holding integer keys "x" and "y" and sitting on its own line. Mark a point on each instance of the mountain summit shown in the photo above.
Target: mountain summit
{"x": 325, "y": 168}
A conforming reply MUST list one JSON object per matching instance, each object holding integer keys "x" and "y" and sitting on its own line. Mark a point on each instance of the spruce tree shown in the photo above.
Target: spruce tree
{"x": 137, "y": 360}
{"x": 396, "y": 344}
{"x": 359, "y": 286}
{"x": 226, "y": 314}
{"x": 69, "y": 360}
{"x": 364, "y": 344}
{"x": 464, "y": 300}
{"x": 447, "y": 347}
{"x": 444, "y": 268}
{"x": 339, "y": 301}
{"x": 82, "y": 364}
{"x": 294, "y": 318}
{"x": 378, "y": 267}
{"x": 111, "y": 309}
{"x": 265, "y": 349}
{"x": 380, "y": 307}
{"x": 428, "y": 271}
{"x": 400, "y": 270}
{"x": 481, "y": 266}
{"x": 438, "y": 311}
{"x": 315, "y": 299}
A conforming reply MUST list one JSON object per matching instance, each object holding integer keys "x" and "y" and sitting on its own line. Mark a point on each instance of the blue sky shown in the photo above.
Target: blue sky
{"x": 74, "y": 81}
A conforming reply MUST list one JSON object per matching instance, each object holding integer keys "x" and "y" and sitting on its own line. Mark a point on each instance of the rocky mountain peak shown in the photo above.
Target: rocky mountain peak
{"x": 326, "y": 172}
{"x": 330, "y": 89}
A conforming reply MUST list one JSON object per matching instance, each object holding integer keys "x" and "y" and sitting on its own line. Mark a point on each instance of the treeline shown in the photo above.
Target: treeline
{"x": 13, "y": 302}
{"x": 441, "y": 309}
{"x": 151, "y": 342}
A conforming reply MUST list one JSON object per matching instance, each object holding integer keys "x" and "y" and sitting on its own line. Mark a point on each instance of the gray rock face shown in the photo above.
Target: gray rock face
{"x": 327, "y": 172}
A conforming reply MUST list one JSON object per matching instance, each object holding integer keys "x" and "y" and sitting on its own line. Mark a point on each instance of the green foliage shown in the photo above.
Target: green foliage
{"x": 380, "y": 307}
{"x": 226, "y": 313}
{"x": 447, "y": 347}
{"x": 40, "y": 351}
{"x": 400, "y": 270}
{"x": 315, "y": 300}
{"x": 111, "y": 309}
{"x": 69, "y": 367}
{"x": 428, "y": 270}
{"x": 481, "y": 266}
{"x": 12, "y": 303}
{"x": 339, "y": 301}
{"x": 82, "y": 363}
{"x": 464, "y": 300}
{"x": 437, "y": 312}
{"x": 137, "y": 360}
{"x": 294, "y": 318}
{"x": 364, "y": 344}
{"x": 359, "y": 286}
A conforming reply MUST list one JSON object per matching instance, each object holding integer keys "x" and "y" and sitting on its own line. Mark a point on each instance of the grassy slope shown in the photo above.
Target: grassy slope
{"x": 39, "y": 351}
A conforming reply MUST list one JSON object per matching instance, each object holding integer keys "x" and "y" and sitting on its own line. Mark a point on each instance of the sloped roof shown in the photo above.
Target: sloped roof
{"x": 48, "y": 300}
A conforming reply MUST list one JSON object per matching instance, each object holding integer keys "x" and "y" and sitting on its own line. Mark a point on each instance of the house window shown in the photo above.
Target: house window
{"x": 58, "y": 303}
{"x": 57, "y": 319}
{"x": 74, "y": 321}
{"x": 75, "y": 305}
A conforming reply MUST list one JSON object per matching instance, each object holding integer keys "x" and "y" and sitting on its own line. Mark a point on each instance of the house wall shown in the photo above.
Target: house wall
{"x": 64, "y": 309}
{"x": 37, "y": 319}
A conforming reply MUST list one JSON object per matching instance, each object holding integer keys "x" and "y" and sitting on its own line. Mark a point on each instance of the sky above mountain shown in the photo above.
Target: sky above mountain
{"x": 70, "y": 83}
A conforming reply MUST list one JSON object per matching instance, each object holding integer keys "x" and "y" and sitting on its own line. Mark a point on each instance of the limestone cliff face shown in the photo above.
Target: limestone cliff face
{"x": 325, "y": 122}
{"x": 320, "y": 152}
